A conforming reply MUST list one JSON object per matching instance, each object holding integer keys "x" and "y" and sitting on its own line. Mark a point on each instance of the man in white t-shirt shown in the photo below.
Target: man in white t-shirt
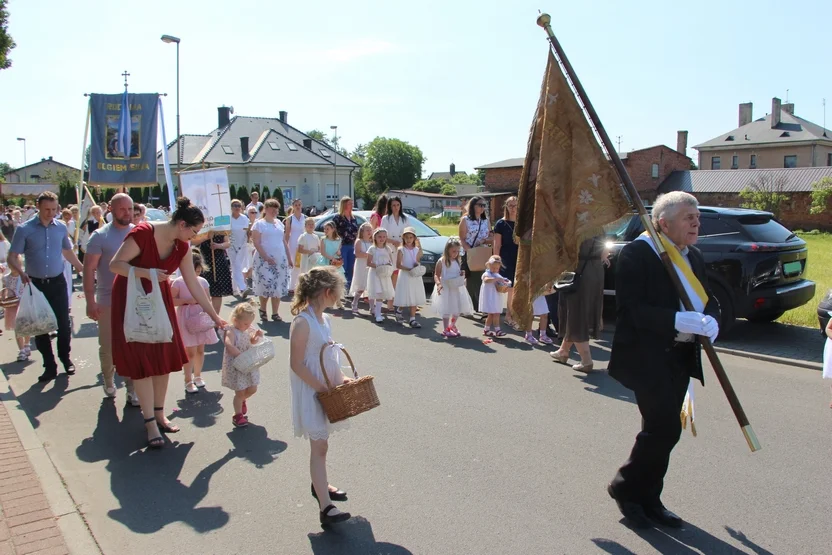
{"x": 255, "y": 201}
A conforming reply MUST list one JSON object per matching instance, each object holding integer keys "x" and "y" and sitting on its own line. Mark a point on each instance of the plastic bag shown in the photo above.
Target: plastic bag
{"x": 34, "y": 315}
{"x": 145, "y": 316}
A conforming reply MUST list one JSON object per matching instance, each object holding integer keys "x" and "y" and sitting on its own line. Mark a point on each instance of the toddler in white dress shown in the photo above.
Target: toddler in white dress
{"x": 379, "y": 287}
{"x": 492, "y": 302}
{"x": 359, "y": 272}
{"x": 309, "y": 246}
{"x": 410, "y": 290}
{"x": 242, "y": 335}
{"x": 540, "y": 309}
{"x": 317, "y": 290}
{"x": 450, "y": 297}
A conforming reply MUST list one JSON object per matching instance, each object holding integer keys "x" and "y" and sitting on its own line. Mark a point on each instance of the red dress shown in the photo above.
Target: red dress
{"x": 142, "y": 360}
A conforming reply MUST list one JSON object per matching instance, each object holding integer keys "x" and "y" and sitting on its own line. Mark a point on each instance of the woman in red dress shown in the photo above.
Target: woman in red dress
{"x": 163, "y": 246}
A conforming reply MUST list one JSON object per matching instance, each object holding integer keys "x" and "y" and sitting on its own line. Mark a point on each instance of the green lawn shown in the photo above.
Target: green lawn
{"x": 447, "y": 230}
{"x": 819, "y": 270}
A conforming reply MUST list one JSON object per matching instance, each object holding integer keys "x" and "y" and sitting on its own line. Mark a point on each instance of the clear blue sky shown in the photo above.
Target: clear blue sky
{"x": 459, "y": 79}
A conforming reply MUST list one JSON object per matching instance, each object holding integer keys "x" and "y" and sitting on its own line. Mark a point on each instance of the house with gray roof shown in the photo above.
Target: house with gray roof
{"x": 262, "y": 152}
{"x": 779, "y": 140}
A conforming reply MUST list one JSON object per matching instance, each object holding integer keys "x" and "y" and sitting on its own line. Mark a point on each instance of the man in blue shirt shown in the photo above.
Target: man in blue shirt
{"x": 44, "y": 243}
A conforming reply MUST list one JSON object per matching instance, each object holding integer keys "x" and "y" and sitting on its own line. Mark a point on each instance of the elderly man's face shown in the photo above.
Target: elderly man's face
{"x": 683, "y": 226}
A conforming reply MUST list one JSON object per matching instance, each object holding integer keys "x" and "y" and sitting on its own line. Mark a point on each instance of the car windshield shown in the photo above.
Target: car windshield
{"x": 765, "y": 229}
{"x": 618, "y": 228}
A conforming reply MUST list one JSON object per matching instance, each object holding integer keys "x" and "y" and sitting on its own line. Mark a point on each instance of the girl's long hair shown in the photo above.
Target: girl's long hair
{"x": 446, "y": 254}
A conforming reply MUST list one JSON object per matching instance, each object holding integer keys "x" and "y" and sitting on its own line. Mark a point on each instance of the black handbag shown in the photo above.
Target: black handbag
{"x": 569, "y": 282}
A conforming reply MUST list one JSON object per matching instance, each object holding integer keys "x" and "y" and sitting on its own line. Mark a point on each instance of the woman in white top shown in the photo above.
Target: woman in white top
{"x": 272, "y": 264}
{"x": 394, "y": 222}
{"x": 474, "y": 230}
{"x": 237, "y": 252}
{"x": 294, "y": 224}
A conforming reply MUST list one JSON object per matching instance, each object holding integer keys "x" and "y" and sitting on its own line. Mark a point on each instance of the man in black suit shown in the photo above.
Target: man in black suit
{"x": 655, "y": 352}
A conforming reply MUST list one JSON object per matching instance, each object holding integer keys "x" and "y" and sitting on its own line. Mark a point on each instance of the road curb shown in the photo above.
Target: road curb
{"x": 769, "y": 358}
{"x": 77, "y": 535}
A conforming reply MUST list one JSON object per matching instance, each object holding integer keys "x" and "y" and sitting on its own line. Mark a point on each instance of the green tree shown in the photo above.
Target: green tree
{"x": 431, "y": 186}
{"x": 318, "y": 135}
{"x": 391, "y": 164}
{"x": 278, "y": 194}
{"x": 265, "y": 194}
{"x": 821, "y": 195}
{"x": 466, "y": 179}
{"x": 4, "y": 169}
{"x": 448, "y": 189}
{"x": 67, "y": 181}
{"x": 765, "y": 193}
{"x": 6, "y": 41}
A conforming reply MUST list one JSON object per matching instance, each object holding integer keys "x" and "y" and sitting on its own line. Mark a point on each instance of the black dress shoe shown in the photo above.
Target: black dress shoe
{"x": 48, "y": 376}
{"x": 333, "y": 519}
{"x": 69, "y": 368}
{"x": 633, "y": 512}
{"x": 336, "y": 495}
{"x": 664, "y": 517}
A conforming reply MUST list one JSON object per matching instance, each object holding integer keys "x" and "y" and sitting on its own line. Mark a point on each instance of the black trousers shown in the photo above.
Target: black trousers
{"x": 641, "y": 478}
{"x": 552, "y": 304}
{"x": 473, "y": 282}
{"x": 54, "y": 289}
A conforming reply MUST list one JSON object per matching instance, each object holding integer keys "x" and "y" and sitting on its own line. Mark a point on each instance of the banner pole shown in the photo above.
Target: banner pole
{"x": 166, "y": 160}
{"x": 80, "y": 186}
{"x": 544, "y": 21}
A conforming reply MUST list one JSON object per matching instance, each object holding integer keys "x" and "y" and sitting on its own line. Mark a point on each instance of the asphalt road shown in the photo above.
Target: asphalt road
{"x": 476, "y": 449}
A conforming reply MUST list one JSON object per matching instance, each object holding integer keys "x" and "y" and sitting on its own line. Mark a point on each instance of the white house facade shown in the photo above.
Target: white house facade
{"x": 425, "y": 203}
{"x": 267, "y": 153}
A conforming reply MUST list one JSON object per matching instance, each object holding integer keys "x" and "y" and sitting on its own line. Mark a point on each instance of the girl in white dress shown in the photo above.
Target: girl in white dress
{"x": 541, "y": 310}
{"x": 410, "y": 290}
{"x": 240, "y": 337}
{"x": 450, "y": 298}
{"x": 492, "y": 302}
{"x": 359, "y": 273}
{"x": 317, "y": 290}
{"x": 309, "y": 247}
{"x": 379, "y": 288}
{"x": 295, "y": 225}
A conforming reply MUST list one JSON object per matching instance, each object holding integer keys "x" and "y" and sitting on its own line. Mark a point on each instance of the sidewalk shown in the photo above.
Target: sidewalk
{"x": 37, "y": 515}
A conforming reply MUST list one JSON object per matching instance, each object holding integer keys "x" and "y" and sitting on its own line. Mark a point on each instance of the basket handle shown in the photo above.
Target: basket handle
{"x": 343, "y": 350}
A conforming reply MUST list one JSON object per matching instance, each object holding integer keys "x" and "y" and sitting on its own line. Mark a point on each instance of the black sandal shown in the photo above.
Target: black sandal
{"x": 336, "y": 495}
{"x": 340, "y": 517}
{"x": 414, "y": 324}
{"x": 156, "y": 442}
{"x": 165, "y": 428}
{"x": 276, "y": 318}
{"x": 264, "y": 315}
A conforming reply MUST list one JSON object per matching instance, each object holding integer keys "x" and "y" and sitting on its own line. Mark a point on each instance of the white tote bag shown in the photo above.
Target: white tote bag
{"x": 145, "y": 316}
{"x": 34, "y": 315}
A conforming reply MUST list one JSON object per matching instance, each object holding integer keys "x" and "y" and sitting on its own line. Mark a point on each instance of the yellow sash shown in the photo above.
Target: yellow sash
{"x": 681, "y": 266}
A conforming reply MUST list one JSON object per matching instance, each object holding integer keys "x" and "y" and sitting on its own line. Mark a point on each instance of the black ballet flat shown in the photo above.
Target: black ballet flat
{"x": 336, "y": 495}
{"x": 334, "y": 519}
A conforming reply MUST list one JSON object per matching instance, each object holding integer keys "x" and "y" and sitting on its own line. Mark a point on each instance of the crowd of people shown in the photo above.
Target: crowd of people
{"x": 654, "y": 348}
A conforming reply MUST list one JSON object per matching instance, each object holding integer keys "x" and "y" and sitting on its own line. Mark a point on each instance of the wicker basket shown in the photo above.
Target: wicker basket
{"x": 251, "y": 359}
{"x": 453, "y": 283}
{"x": 349, "y": 399}
{"x": 384, "y": 271}
{"x": 8, "y": 299}
{"x": 502, "y": 287}
{"x": 418, "y": 271}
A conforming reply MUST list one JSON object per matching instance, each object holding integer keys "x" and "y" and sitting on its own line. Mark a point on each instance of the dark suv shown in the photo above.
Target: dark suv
{"x": 755, "y": 265}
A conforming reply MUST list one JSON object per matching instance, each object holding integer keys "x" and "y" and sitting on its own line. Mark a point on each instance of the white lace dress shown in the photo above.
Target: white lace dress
{"x": 308, "y": 417}
{"x": 379, "y": 288}
{"x": 231, "y": 377}
{"x": 359, "y": 273}
{"x": 454, "y": 300}
{"x": 410, "y": 290}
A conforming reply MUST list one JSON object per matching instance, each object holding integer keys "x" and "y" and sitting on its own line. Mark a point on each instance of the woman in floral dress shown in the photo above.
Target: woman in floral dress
{"x": 272, "y": 263}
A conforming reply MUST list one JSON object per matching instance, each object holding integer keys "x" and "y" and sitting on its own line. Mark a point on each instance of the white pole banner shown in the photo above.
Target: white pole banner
{"x": 208, "y": 189}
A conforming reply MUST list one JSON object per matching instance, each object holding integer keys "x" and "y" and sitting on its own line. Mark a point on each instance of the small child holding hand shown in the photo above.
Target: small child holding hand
{"x": 240, "y": 337}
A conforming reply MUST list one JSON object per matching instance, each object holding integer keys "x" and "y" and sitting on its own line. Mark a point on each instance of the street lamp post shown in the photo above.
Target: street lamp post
{"x": 335, "y": 161}
{"x": 171, "y": 39}
{"x": 25, "y": 171}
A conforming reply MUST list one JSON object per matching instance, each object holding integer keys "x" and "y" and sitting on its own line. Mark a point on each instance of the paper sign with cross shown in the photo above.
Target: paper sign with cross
{"x": 209, "y": 190}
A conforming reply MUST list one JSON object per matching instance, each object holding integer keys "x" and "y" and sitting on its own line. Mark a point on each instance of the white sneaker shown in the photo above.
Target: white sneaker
{"x": 379, "y": 319}
{"x": 110, "y": 390}
{"x": 22, "y": 356}
{"x": 190, "y": 387}
{"x": 28, "y": 350}
{"x": 199, "y": 382}
{"x": 133, "y": 399}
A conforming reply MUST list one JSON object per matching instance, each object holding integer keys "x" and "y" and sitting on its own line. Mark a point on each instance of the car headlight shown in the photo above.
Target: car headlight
{"x": 428, "y": 257}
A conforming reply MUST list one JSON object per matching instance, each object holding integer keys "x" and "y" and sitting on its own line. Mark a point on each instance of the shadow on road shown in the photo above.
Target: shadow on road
{"x": 253, "y": 444}
{"x": 202, "y": 408}
{"x": 145, "y": 482}
{"x": 602, "y": 384}
{"x": 43, "y": 397}
{"x": 353, "y": 537}
{"x": 690, "y": 540}
{"x": 775, "y": 339}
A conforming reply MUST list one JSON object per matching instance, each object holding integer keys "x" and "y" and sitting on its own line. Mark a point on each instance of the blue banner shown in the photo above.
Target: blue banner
{"x": 119, "y": 126}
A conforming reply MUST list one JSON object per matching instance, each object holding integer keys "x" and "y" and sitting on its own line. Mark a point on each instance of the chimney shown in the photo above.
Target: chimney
{"x": 789, "y": 107}
{"x": 223, "y": 116}
{"x": 244, "y": 147}
{"x": 284, "y": 117}
{"x": 682, "y": 142}
{"x": 775, "y": 112}
{"x": 307, "y": 143}
{"x": 746, "y": 113}
{"x": 453, "y": 170}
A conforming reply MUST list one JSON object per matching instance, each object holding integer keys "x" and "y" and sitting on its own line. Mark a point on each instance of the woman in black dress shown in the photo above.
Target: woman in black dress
{"x": 506, "y": 248}
{"x": 213, "y": 247}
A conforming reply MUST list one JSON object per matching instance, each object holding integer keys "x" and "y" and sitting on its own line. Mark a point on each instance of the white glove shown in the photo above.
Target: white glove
{"x": 689, "y": 322}
{"x": 710, "y": 328}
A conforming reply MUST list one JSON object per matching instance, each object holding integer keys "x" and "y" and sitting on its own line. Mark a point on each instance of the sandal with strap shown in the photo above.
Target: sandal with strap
{"x": 326, "y": 518}
{"x": 336, "y": 495}
{"x": 276, "y": 318}
{"x": 414, "y": 324}
{"x": 263, "y": 315}
{"x": 165, "y": 428}
{"x": 499, "y": 333}
{"x": 156, "y": 442}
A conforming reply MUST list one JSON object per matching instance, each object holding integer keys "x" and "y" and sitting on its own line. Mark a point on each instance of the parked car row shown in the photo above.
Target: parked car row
{"x": 755, "y": 266}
